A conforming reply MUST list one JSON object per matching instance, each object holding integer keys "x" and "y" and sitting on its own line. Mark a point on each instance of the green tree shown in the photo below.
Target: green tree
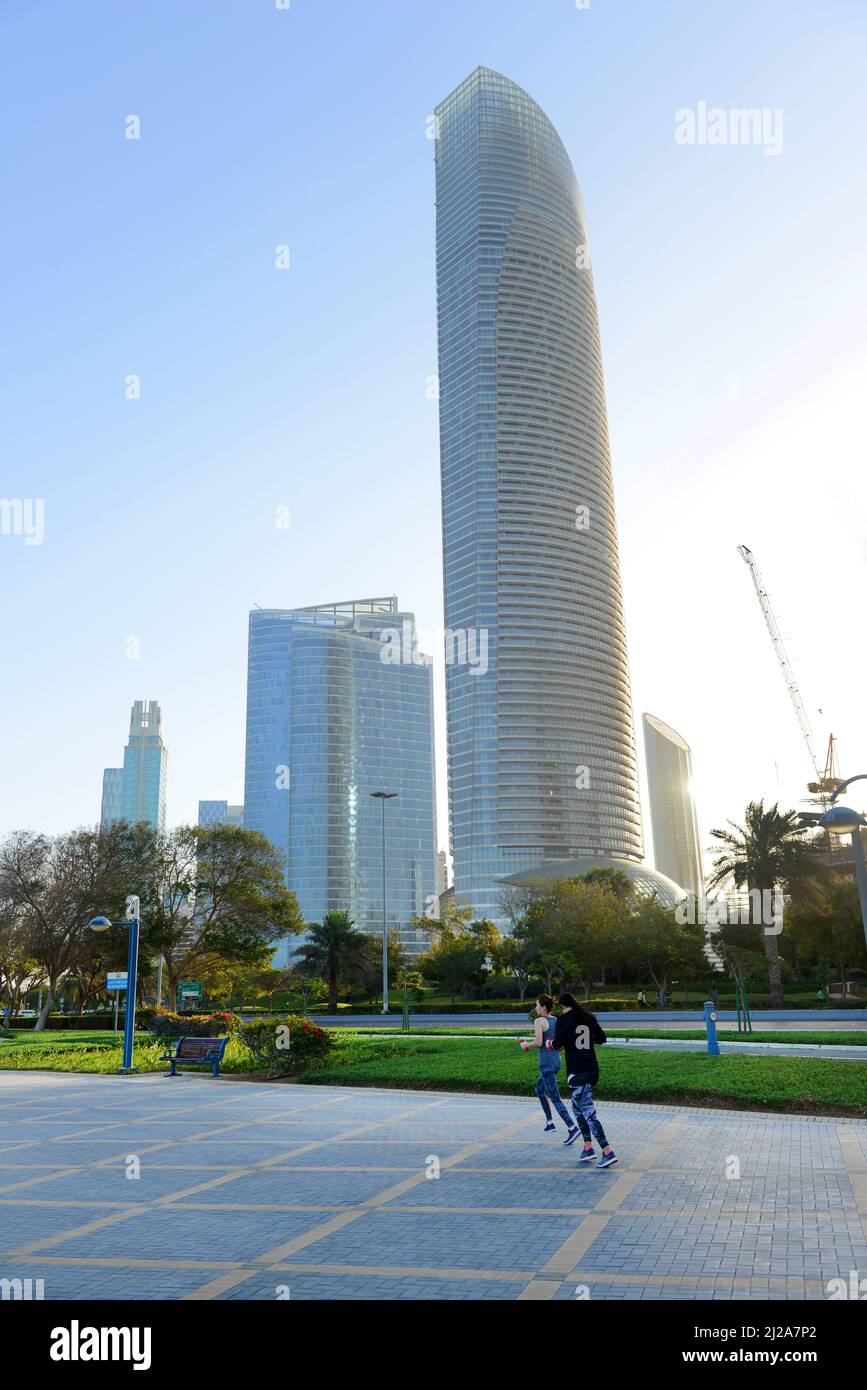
{"x": 19, "y": 971}
{"x": 518, "y": 959}
{"x": 456, "y": 963}
{"x": 210, "y": 895}
{"x": 368, "y": 972}
{"x": 662, "y": 946}
{"x": 768, "y": 852}
{"x": 52, "y": 887}
{"x": 334, "y": 949}
{"x": 831, "y": 931}
{"x": 452, "y": 920}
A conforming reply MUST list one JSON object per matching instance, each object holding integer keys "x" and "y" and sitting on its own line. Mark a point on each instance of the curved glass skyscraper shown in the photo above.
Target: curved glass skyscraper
{"x": 541, "y": 750}
{"x": 673, "y": 817}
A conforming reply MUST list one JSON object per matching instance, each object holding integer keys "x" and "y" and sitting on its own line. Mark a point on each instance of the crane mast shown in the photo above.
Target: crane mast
{"x": 788, "y": 674}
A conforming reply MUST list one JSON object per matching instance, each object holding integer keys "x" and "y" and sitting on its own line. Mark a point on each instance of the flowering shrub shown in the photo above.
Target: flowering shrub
{"x": 285, "y": 1046}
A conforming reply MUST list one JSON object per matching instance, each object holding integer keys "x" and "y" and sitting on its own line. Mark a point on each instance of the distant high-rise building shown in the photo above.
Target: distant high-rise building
{"x": 542, "y": 764}
{"x": 137, "y": 791}
{"x": 339, "y": 705}
{"x": 442, "y": 873}
{"x": 673, "y": 818}
{"x": 112, "y": 782}
{"x": 220, "y": 813}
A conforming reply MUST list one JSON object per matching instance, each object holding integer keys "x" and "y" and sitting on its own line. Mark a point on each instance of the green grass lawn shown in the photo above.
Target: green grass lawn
{"x": 799, "y": 1085}
{"x": 65, "y": 1037}
{"x": 103, "y": 1052}
{"x": 796, "y": 1084}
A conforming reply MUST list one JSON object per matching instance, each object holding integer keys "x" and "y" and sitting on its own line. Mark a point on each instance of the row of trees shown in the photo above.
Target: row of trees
{"x": 214, "y": 900}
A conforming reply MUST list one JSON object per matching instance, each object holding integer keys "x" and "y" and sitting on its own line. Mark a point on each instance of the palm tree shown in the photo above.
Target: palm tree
{"x": 768, "y": 852}
{"x": 332, "y": 950}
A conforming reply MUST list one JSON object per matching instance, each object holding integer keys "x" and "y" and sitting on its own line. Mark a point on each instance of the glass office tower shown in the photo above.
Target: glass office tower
{"x": 219, "y": 813}
{"x": 137, "y": 791}
{"x": 673, "y": 817}
{"x": 335, "y": 712}
{"x": 541, "y": 747}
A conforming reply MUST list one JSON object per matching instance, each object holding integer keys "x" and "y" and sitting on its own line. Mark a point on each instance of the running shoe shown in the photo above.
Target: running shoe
{"x": 549, "y": 1127}
{"x": 607, "y": 1159}
{"x": 587, "y": 1155}
{"x": 572, "y": 1135}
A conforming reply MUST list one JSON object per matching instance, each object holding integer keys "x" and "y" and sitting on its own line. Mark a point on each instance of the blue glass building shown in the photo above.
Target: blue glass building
{"x": 137, "y": 791}
{"x": 219, "y": 813}
{"x": 331, "y": 718}
{"x": 542, "y": 764}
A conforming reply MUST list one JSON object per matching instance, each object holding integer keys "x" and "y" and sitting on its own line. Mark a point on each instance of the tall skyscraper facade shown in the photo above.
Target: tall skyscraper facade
{"x": 542, "y": 763}
{"x": 339, "y": 705}
{"x": 137, "y": 791}
{"x": 673, "y": 817}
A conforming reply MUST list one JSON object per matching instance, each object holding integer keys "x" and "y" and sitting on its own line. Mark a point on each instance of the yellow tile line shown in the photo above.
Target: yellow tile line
{"x": 137, "y": 1208}
{"x": 856, "y": 1169}
{"x": 300, "y": 1242}
{"x": 567, "y": 1255}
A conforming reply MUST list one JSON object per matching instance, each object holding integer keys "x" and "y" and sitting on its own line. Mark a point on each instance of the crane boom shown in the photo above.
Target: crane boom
{"x": 788, "y": 674}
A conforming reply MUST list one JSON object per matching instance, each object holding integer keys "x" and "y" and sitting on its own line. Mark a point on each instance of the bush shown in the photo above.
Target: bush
{"x": 286, "y": 1046}
{"x": 166, "y": 1025}
{"x": 500, "y": 987}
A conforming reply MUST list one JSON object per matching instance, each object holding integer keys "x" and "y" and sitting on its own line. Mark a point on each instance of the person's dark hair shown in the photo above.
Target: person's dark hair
{"x": 546, "y": 1000}
{"x": 568, "y": 1001}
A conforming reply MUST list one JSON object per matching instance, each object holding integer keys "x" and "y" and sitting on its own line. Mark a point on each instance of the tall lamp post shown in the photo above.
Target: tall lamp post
{"x": 842, "y": 820}
{"x": 383, "y": 797}
{"x": 132, "y": 913}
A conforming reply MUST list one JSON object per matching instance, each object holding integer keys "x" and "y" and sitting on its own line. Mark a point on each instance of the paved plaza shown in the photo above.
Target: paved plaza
{"x": 261, "y": 1191}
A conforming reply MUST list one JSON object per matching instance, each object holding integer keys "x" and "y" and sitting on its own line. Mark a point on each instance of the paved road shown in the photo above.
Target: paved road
{"x": 252, "y": 1190}
{"x": 782, "y": 1021}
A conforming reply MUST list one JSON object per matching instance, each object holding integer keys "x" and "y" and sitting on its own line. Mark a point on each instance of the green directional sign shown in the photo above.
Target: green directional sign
{"x": 190, "y": 994}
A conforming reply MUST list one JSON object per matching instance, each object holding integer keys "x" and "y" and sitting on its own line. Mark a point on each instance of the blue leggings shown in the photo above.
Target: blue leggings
{"x": 585, "y": 1114}
{"x": 549, "y": 1094}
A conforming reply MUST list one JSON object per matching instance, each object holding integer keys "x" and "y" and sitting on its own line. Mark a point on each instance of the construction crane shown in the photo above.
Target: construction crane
{"x": 830, "y": 778}
{"x": 826, "y": 780}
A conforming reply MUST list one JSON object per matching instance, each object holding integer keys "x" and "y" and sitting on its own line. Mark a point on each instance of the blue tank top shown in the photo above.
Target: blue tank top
{"x": 549, "y": 1061}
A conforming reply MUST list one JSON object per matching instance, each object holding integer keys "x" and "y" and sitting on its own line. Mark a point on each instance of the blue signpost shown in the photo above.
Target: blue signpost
{"x": 131, "y": 922}
{"x": 710, "y": 1024}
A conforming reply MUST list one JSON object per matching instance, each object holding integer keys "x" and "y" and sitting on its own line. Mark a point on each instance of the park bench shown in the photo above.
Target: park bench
{"x": 196, "y": 1052}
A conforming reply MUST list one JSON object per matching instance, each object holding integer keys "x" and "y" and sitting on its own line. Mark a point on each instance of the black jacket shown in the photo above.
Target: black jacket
{"x": 579, "y": 1047}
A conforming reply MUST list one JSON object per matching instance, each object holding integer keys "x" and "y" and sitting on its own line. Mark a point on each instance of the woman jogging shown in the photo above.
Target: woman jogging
{"x": 549, "y": 1065}
{"x": 578, "y": 1033}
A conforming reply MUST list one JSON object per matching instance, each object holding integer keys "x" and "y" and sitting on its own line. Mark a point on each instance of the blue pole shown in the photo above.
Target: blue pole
{"x": 710, "y": 1024}
{"x": 129, "y": 1016}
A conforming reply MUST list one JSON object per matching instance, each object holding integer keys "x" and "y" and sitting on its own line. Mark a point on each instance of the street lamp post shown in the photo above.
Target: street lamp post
{"x": 132, "y": 914}
{"x": 383, "y": 797}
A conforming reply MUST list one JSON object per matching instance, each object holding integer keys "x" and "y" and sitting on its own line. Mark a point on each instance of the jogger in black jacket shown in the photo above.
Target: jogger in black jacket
{"x": 578, "y": 1033}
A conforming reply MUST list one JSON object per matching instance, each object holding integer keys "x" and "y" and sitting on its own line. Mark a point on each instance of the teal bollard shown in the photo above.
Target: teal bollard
{"x": 710, "y": 1024}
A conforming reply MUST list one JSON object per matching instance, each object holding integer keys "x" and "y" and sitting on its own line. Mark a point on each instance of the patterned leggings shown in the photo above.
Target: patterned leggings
{"x": 585, "y": 1115}
{"x": 549, "y": 1094}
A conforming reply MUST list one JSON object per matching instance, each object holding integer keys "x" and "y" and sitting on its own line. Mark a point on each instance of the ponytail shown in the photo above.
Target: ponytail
{"x": 568, "y": 1001}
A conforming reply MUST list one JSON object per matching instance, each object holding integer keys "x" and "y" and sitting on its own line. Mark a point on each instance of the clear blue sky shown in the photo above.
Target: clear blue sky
{"x": 733, "y": 308}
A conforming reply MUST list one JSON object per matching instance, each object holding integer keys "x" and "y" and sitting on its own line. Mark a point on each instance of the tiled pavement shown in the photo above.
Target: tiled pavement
{"x": 264, "y": 1191}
